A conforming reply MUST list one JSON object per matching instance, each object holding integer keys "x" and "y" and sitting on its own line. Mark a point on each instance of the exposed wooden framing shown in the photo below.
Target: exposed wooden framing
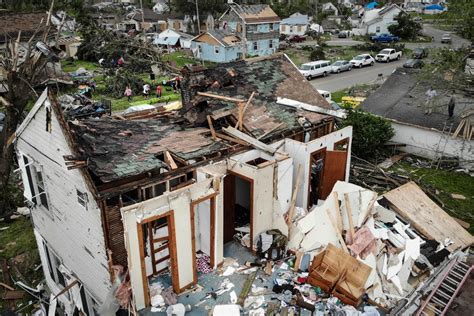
{"x": 232, "y": 139}
{"x": 249, "y": 139}
{"x": 338, "y": 233}
{"x": 212, "y": 215}
{"x": 161, "y": 248}
{"x": 347, "y": 203}
{"x": 338, "y": 211}
{"x": 220, "y": 97}
{"x": 169, "y": 161}
{"x": 152, "y": 247}
{"x": 159, "y": 239}
{"x": 211, "y": 127}
{"x": 458, "y": 129}
{"x": 172, "y": 252}
{"x": 291, "y": 210}
{"x": 311, "y": 158}
{"x": 242, "y": 109}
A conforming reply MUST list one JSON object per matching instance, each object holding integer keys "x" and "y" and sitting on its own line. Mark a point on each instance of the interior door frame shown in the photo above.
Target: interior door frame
{"x": 251, "y": 181}
{"x": 192, "y": 208}
{"x": 172, "y": 250}
{"x": 321, "y": 150}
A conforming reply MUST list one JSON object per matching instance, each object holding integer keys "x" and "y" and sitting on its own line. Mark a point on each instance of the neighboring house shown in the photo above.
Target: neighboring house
{"x": 377, "y": 21}
{"x": 107, "y": 21}
{"x": 257, "y": 25}
{"x": 188, "y": 24}
{"x": 140, "y": 20}
{"x": 218, "y": 46}
{"x": 25, "y": 24}
{"x": 346, "y": 3}
{"x": 161, "y": 7}
{"x": 170, "y": 38}
{"x": 330, "y": 9}
{"x": 401, "y": 100}
{"x": 69, "y": 45}
{"x": 107, "y": 201}
{"x": 354, "y": 20}
{"x": 330, "y": 25}
{"x": 295, "y": 24}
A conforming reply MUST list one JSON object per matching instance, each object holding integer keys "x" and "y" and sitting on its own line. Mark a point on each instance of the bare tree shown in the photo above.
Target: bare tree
{"x": 22, "y": 66}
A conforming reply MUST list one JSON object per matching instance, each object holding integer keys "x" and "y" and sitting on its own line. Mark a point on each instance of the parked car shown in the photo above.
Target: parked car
{"x": 325, "y": 94}
{"x": 385, "y": 38}
{"x": 341, "y": 65}
{"x": 413, "y": 63}
{"x": 362, "y": 60}
{"x": 420, "y": 52}
{"x": 296, "y": 38}
{"x": 446, "y": 38}
{"x": 387, "y": 55}
{"x": 343, "y": 34}
{"x": 316, "y": 69}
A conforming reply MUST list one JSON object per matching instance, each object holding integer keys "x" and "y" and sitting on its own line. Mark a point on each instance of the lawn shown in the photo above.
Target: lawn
{"x": 297, "y": 56}
{"x": 18, "y": 244}
{"x": 69, "y": 66}
{"x": 445, "y": 182}
{"x": 178, "y": 59}
{"x": 337, "y": 95}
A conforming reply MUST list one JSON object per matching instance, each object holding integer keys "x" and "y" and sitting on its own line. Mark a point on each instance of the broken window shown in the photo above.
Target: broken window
{"x": 255, "y": 46}
{"x": 270, "y": 43}
{"x": 53, "y": 266}
{"x": 35, "y": 184}
{"x": 216, "y": 49}
{"x": 82, "y": 198}
{"x": 153, "y": 190}
{"x": 41, "y": 189}
{"x": 257, "y": 161}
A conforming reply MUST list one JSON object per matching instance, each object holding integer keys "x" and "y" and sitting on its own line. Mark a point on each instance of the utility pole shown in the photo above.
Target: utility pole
{"x": 197, "y": 16}
{"x": 143, "y": 17}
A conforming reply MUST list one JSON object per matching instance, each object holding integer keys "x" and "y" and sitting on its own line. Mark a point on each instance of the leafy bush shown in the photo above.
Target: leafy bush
{"x": 317, "y": 54}
{"x": 406, "y": 27}
{"x": 115, "y": 85}
{"x": 370, "y": 132}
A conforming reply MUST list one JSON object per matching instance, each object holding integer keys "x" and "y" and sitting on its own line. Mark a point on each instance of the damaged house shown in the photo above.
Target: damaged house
{"x": 119, "y": 202}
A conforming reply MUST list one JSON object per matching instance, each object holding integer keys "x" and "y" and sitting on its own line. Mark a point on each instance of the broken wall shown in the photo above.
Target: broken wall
{"x": 72, "y": 231}
{"x": 178, "y": 202}
{"x": 301, "y": 153}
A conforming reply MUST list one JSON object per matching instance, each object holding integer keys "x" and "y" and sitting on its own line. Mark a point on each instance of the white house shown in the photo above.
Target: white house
{"x": 295, "y": 24}
{"x": 330, "y": 8}
{"x": 161, "y": 6}
{"x": 377, "y": 21}
{"x": 401, "y": 98}
{"x": 172, "y": 38}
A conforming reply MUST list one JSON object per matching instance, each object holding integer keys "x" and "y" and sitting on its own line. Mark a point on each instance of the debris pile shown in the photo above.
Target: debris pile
{"x": 79, "y": 106}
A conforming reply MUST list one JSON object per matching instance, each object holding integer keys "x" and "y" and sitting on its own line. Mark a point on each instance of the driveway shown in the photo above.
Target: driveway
{"x": 429, "y": 30}
{"x": 366, "y": 75}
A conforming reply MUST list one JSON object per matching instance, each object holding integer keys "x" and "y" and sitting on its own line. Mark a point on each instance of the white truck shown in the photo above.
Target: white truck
{"x": 387, "y": 55}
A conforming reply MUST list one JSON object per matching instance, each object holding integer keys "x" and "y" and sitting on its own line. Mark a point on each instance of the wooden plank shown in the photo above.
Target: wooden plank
{"x": 163, "y": 259}
{"x": 211, "y": 127}
{"x": 160, "y": 239}
{"x": 347, "y": 203}
{"x": 169, "y": 161}
{"x": 458, "y": 129}
{"x": 412, "y": 204}
{"x": 220, "y": 97}
{"x": 270, "y": 131}
{"x": 8, "y": 287}
{"x": 152, "y": 246}
{"x": 242, "y": 111}
{"x": 338, "y": 211}
{"x": 338, "y": 233}
{"x": 161, "y": 248}
{"x": 249, "y": 139}
{"x": 67, "y": 288}
{"x": 291, "y": 210}
{"x": 231, "y": 139}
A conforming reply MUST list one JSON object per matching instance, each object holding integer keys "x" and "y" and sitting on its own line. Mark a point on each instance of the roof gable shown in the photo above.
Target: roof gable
{"x": 254, "y": 13}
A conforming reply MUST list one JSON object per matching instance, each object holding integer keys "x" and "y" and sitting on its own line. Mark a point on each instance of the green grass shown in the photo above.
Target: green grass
{"x": 337, "y": 95}
{"x": 18, "y": 242}
{"x": 69, "y": 66}
{"x": 446, "y": 182}
{"x": 179, "y": 59}
{"x": 298, "y": 56}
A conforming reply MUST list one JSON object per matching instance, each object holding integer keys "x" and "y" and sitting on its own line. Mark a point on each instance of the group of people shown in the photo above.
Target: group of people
{"x": 146, "y": 89}
{"x": 119, "y": 62}
{"x": 431, "y": 94}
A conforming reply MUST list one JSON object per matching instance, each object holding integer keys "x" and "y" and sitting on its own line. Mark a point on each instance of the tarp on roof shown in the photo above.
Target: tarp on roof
{"x": 434, "y": 7}
{"x": 371, "y": 5}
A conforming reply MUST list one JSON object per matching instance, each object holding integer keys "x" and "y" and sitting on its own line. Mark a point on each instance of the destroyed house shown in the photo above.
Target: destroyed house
{"x": 149, "y": 193}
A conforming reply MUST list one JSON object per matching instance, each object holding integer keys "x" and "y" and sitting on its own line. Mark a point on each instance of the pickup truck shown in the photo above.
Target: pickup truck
{"x": 387, "y": 55}
{"x": 385, "y": 38}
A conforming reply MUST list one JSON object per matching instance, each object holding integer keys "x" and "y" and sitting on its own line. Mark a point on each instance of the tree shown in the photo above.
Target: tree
{"x": 205, "y": 6}
{"x": 370, "y": 132}
{"x": 22, "y": 75}
{"x": 461, "y": 15}
{"x": 406, "y": 27}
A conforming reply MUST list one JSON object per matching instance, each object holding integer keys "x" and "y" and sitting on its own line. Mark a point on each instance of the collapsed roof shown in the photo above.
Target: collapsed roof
{"x": 255, "y": 13}
{"x": 117, "y": 149}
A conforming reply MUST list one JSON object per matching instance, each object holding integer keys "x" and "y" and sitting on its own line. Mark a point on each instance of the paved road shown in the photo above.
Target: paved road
{"x": 429, "y": 30}
{"x": 368, "y": 74}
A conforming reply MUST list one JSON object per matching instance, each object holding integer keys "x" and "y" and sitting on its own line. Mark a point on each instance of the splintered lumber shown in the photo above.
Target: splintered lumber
{"x": 246, "y": 288}
{"x": 291, "y": 210}
{"x": 170, "y": 161}
{"x": 67, "y": 288}
{"x": 231, "y": 139}
{"x": 338, "y": 211}
{"x": 270, "y": 131}
{"x": 458, "y": 129}
{"x": 249, "y": 139}
{"x": 338, "y": 233}
{"x": 211, "y": 127}
{"x": 8, "y": 287}
{"x": 220, "y": 97}
{"x": 242, "y": 111}
{"x": 347, "y": 203}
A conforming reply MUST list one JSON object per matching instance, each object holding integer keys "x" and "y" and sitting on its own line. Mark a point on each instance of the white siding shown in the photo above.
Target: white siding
{"x": 72, "y": 231}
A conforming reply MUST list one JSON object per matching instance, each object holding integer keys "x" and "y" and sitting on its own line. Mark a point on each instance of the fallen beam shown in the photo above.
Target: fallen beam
{"x": 249, "y": 139}
{"x": 220, "y": 97}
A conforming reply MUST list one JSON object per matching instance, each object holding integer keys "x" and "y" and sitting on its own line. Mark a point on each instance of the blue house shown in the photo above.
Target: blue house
{"x": 258, "y": 26}
{"x": 218, "y": 46}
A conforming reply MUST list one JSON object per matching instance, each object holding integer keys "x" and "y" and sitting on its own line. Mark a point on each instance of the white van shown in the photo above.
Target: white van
{"x": 316, "y": 68}
{"x": 326, "y": 95}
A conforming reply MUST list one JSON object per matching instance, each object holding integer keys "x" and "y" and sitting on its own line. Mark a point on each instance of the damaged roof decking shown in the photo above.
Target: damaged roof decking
{"x": 270, "y": 78}
{"x": 117, "y": 149}
{"x": 256, "y": 13}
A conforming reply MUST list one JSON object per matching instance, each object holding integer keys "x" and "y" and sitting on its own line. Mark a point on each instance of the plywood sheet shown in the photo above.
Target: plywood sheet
{"x": 410, "y": 202}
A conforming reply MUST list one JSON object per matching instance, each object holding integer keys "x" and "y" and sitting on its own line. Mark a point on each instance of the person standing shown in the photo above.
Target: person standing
{"x": 451, "y": 105}
{"x": 158, "y": 91}
{"x": 430, "y": 95}
{"x": 146, "y": 90}
{"x": 128, "y": 93}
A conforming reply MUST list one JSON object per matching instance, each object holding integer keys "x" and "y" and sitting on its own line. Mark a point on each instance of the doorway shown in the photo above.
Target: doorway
{"x": 238, "y": 207}
{"x": 316, "y": 174}
{"x": 157, "y": 242}
{"x": 203, "y": 228}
